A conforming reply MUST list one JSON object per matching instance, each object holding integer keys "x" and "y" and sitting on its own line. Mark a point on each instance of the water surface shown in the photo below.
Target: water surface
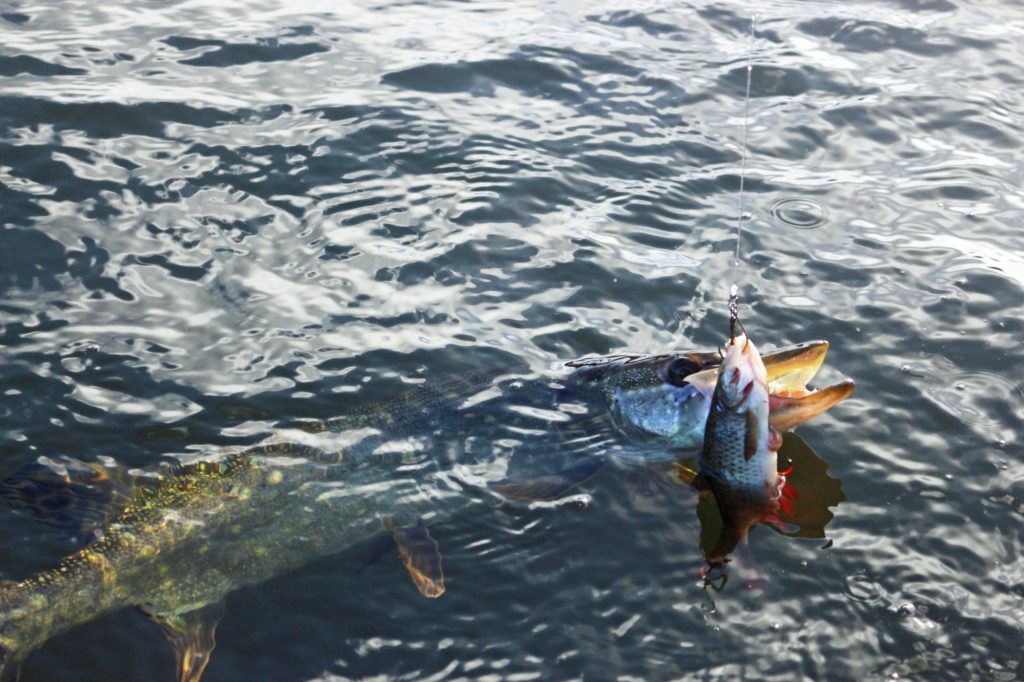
{"x": 220, "y": 215}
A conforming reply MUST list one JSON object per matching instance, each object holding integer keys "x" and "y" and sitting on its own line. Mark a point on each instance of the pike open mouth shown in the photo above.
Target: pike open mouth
{"x": 789, "y": 369}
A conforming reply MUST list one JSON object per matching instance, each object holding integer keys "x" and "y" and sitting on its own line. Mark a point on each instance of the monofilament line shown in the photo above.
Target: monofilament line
{"x": 734, "y": 290}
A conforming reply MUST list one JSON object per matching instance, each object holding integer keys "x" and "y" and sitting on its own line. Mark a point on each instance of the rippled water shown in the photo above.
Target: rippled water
{"x": 216, "y": 216}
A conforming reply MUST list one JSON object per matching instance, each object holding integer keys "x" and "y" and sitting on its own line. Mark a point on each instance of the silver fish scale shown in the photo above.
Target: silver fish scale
{"x": 724, "y": 444}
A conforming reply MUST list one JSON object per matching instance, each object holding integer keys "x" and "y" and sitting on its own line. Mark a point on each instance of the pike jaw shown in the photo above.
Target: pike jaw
{"x": 666, "y": 398}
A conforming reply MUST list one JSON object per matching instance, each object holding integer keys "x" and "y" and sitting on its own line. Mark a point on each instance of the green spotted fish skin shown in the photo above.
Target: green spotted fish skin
{"x": 206, "y": 529}
{"x": 185, "y": 538}
{"x": 182, "y": 542}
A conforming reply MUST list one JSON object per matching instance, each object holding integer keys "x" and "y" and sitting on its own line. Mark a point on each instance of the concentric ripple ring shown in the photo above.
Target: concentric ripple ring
{"x": 803, "y": 214}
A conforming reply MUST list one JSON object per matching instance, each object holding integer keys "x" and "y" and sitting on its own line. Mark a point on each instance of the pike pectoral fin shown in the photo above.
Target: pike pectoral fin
{"x": 687, "y": 475}
{"x": 550, "y": 486}
{"x": 421, "y": 558}
{"x": 789, "y": 411}
{"x": 666, "y": 474}
{"x": 191, "y": 635}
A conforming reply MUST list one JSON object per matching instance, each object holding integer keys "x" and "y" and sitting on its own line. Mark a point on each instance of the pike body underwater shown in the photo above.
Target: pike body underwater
{"x": 223, "y": 222}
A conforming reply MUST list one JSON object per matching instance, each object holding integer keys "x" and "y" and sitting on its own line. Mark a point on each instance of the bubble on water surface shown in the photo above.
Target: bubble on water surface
{"x": 984, "y": 400}
{"x": 803, "y": 214}
{"x": 860, "y": 587}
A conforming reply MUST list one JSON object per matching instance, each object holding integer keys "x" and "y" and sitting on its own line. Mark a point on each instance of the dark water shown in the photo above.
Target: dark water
{"x": 216, "y": 216}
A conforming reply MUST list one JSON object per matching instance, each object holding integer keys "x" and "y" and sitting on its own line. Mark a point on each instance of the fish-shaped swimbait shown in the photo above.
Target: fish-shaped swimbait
{"x": 176, "y": 540}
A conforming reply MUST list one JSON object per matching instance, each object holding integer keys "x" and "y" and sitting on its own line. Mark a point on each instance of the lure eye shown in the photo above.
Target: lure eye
{"x": 680, "y": 369}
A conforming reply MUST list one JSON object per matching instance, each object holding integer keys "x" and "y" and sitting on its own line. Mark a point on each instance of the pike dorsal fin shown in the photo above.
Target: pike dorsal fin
{"x": 192, "y": 636}
{"x": 422, "y": 558}
{"x": 76, "y": 498}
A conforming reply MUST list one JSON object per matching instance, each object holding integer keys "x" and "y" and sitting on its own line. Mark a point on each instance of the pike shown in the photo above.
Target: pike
{"x": 176, "y": 540}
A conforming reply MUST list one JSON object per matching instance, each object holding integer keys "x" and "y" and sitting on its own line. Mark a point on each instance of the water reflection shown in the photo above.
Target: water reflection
{"x": 727, "y": 515}
{"x": 219, "y": 216}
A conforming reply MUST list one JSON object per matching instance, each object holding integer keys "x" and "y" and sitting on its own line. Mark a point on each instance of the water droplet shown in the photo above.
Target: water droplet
{"x": 803, "y": 214}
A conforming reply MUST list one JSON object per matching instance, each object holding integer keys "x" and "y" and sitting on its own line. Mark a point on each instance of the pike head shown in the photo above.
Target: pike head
{"x": 667, "y": 398}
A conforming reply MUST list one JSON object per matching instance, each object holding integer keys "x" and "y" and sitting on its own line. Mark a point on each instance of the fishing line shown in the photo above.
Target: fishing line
{"x": 734, "y": 296}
